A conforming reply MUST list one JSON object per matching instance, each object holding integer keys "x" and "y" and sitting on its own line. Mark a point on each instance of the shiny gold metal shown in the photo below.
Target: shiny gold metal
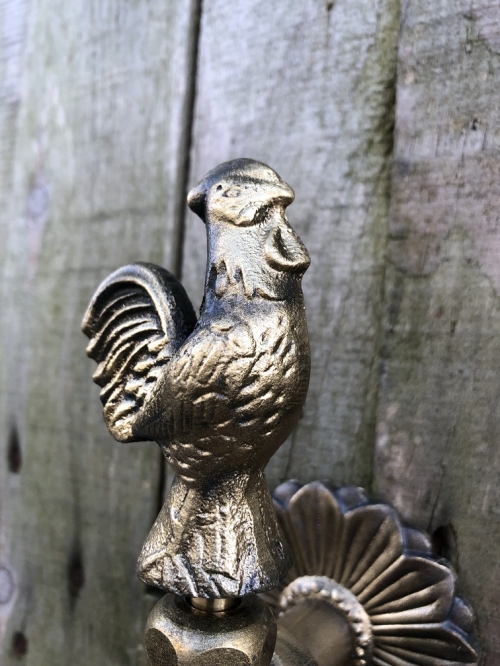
{"x": 366, "y": 588}
{"x": 219, "y": 395}
{"x": 214, "y": 605}
{"x": 179, "y": 635}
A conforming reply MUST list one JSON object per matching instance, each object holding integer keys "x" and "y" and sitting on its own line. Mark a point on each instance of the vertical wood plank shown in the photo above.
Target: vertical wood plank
{"x": 308, "y": 87}
{"x": 437, "y": 454}
{"x": 97, "y": 165}
{"x": 13, "y": 38}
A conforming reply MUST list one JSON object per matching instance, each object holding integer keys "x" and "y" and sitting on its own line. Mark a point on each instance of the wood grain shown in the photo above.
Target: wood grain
{"x": 95, "y": 126}
{"x": 14, "y": 21}
{"x": 437, "y": 452}
{"x": 96, "y": 158}
{"x": 308, "y": 87}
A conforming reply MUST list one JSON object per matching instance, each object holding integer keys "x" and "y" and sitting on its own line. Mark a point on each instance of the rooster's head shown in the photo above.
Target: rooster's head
{"x": 252, "y": 247}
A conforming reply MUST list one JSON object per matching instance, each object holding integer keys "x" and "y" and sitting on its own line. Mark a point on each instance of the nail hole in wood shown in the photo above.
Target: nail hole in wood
{"x": 14, "y": 454}
{"x": 76, "y": 574}
{"x": 19, "y": 644}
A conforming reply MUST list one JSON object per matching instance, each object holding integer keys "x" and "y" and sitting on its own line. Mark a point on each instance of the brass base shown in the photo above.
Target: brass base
{"x": 177, "y": 634}
{"x": 214, "y": 605}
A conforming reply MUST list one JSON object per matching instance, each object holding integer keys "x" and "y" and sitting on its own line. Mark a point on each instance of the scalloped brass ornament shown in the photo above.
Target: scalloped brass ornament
{"x": 365, "y": 588}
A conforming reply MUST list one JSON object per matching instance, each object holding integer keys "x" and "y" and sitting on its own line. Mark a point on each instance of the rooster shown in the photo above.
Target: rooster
{"x": 220, "y": 394}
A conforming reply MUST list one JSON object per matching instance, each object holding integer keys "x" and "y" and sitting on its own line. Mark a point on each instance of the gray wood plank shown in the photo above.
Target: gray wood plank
{"x": 96, "y": 174}
{"x": 308, "y": 87}
{"x": 13, "y": 38}
{"x": 437, "y": 455}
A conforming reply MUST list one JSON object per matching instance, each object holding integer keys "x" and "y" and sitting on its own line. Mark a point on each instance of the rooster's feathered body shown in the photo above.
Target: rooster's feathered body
{"x": 219, "y": 395}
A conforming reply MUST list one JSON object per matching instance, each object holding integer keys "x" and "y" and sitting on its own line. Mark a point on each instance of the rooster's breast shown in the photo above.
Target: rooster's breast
{"x": 236, "y": 388}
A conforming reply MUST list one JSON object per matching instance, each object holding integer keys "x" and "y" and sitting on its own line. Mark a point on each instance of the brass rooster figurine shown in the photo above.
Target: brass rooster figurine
{"x": 219, "y": 395}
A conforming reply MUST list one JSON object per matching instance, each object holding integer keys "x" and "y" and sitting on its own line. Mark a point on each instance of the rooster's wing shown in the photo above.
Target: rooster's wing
{"x": 138, "y": 318}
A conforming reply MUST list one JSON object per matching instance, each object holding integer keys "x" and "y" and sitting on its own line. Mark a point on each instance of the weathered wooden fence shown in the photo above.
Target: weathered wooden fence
{"x": 384, "y": 118}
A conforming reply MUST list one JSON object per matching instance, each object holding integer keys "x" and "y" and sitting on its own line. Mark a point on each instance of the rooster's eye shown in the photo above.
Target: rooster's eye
{"x": 232, "y": 192}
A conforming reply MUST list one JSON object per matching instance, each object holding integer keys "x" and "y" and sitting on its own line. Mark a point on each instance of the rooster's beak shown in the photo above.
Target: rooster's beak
{"x": 196, "y": 200}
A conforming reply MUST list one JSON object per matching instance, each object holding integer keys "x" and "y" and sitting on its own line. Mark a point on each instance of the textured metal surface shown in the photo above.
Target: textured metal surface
{"x": 178, "y": 634}
{"x": 365, "y": 588}
{"x": 220, "y": 395}
{"x": 327, "y": 606}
